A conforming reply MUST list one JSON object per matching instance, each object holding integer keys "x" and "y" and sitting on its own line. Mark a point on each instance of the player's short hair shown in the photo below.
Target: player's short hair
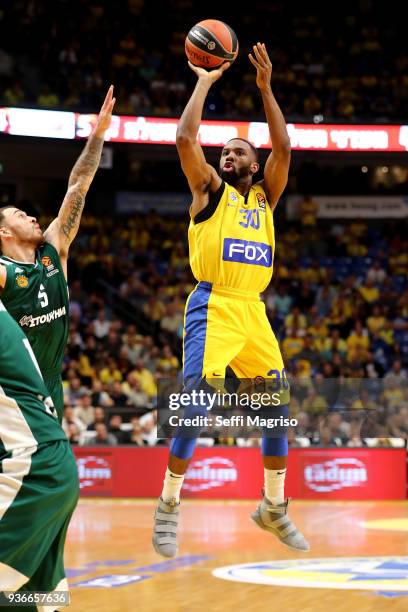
{"x": 2, "y": 209}
{"x": 2, "y": 217}
{"x": 253, "y": 148}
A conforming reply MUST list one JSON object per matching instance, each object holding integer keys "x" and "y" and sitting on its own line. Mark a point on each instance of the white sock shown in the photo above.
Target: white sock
{"x": 172, "y": 484}
{"x": 274, "y": 485}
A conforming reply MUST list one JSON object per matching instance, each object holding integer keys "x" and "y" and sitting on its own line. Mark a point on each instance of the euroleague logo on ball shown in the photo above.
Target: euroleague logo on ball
{"x": 210, "y": 43}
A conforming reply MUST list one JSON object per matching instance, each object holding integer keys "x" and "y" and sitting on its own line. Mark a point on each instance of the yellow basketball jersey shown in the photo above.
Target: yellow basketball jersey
{"x": 232, "y": 241}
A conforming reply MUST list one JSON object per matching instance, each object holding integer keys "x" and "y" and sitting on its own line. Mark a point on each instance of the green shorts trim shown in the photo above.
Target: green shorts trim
{"x": 54, "y": 386}
{"x": 35, "y": 518}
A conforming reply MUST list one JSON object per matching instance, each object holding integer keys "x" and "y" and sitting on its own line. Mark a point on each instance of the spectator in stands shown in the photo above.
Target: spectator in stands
{"x": 99, "y": 395}
{"x": 397, "y": 377}
{"x": 73, "y": 434}
{"x": 355, "y": 440}
{"x": 111, "y": 372}
{"x": 309, "y": 352}
{"x": 376, "y": 321}
{"x": 84, "y": 410}
{"x": 358, "y": 339}
{"x": 168, "y": 362}
{"x": 101, "y": 437}
{"x": 369, "y": 291}
{"x": 308, "y": 207}
{"x": 173, "y": 319}
{"x": 135, "y": 395}
{"x": 135, "y": 436}
{"x": 145, "y": 378}
{"x": 154, "y": 309}
{"x": 147, "y": 423}
{"x": 101, "y": 325}
{"x": 100, "y": 417}
{"x": 327, "y": 439}
{"x": 15, "y": 94}
{"x": 48, "y": 98}
{"x": 279, "y": 302}
{"x": 292, "y": 344}
{"x": 295, "y": 321}
{"x": 73, "y": 391}
{"x": 115, "y": 428}
{"x": 117, "y": 394}
{"x": 70, "y": 418}
{"x": 376, "y": 274}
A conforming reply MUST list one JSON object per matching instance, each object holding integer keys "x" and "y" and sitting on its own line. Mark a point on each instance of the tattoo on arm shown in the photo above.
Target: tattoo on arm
{"x": 87, "y": 164}
{"x": 79, "y": 182}
{"x": 75, "y": 207}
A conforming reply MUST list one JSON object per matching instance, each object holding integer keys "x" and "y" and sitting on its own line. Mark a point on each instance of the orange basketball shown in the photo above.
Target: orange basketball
{"x": 210, "y": 43}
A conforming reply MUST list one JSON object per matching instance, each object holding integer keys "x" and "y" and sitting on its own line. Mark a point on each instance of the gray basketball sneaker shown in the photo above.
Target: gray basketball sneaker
{"x": 275, "y": 520}
{"x": 166, "y": 519}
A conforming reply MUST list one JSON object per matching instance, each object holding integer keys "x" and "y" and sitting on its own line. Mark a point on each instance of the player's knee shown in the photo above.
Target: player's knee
{"x": 183, "y": 448}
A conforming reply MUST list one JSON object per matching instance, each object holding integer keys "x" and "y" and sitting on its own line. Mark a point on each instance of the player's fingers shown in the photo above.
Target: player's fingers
{"x": 108, "y": 98}
{"x": 251, "y": 59}
{"x": 194, "y": 68}
{"x": 225, "y": 66}
{"x": 266, "y": 55}
{"x": 258, "y": 55}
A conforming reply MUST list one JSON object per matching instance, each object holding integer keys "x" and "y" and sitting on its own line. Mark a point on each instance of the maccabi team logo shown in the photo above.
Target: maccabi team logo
{"x": 22, "y": 281}
{"x": 261, "y": 200}
{"x": 383, "y": 574}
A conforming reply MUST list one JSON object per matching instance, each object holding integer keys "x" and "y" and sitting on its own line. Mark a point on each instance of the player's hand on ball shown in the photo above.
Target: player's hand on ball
{"x": 105, "y": 114}
{"x": 210, "y": 75}
{"x": 263, "y": 66}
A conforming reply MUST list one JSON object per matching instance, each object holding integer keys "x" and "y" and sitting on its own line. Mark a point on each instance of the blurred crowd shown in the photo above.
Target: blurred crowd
{"x": 349, "y": 65}
{"x": 338, "y": 304}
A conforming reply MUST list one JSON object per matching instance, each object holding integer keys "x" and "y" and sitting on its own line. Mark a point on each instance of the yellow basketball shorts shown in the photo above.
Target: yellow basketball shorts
{"x": 227, "y": 327}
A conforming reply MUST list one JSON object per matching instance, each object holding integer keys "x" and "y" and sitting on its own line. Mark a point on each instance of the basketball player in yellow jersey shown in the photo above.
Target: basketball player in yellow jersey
{"x": 231, "y": 242}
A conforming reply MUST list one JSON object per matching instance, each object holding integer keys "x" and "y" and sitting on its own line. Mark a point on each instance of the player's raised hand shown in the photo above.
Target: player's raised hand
{"x": 105, "y": 114}
{"x": 210, "y": 75}
{"x": 263, "y": 66}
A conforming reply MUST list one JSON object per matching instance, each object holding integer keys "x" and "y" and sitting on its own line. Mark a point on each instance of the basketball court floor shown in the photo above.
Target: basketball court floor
{"x": 226, "y": 563}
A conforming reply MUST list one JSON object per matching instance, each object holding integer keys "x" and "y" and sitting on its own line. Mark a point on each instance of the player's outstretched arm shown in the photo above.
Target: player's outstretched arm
{"x": 277, "y": 165}
{"x": 64, "y": 228}
{"x": 201, "y": 176}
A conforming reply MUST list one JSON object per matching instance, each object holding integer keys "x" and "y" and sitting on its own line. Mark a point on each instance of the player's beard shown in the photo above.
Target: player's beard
{"x": 233, "y": 178}
{"x": 40, "y": 241}
{"x": 37, "y": 239}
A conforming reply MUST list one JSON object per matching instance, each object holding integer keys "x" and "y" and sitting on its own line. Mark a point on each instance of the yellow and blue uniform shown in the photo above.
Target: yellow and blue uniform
{"x": 231, "y": 243}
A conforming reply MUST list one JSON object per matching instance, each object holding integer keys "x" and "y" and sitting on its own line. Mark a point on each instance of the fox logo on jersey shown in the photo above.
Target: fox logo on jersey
{"x": 247, "y": 252}
{"x": 22, "y": 281}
